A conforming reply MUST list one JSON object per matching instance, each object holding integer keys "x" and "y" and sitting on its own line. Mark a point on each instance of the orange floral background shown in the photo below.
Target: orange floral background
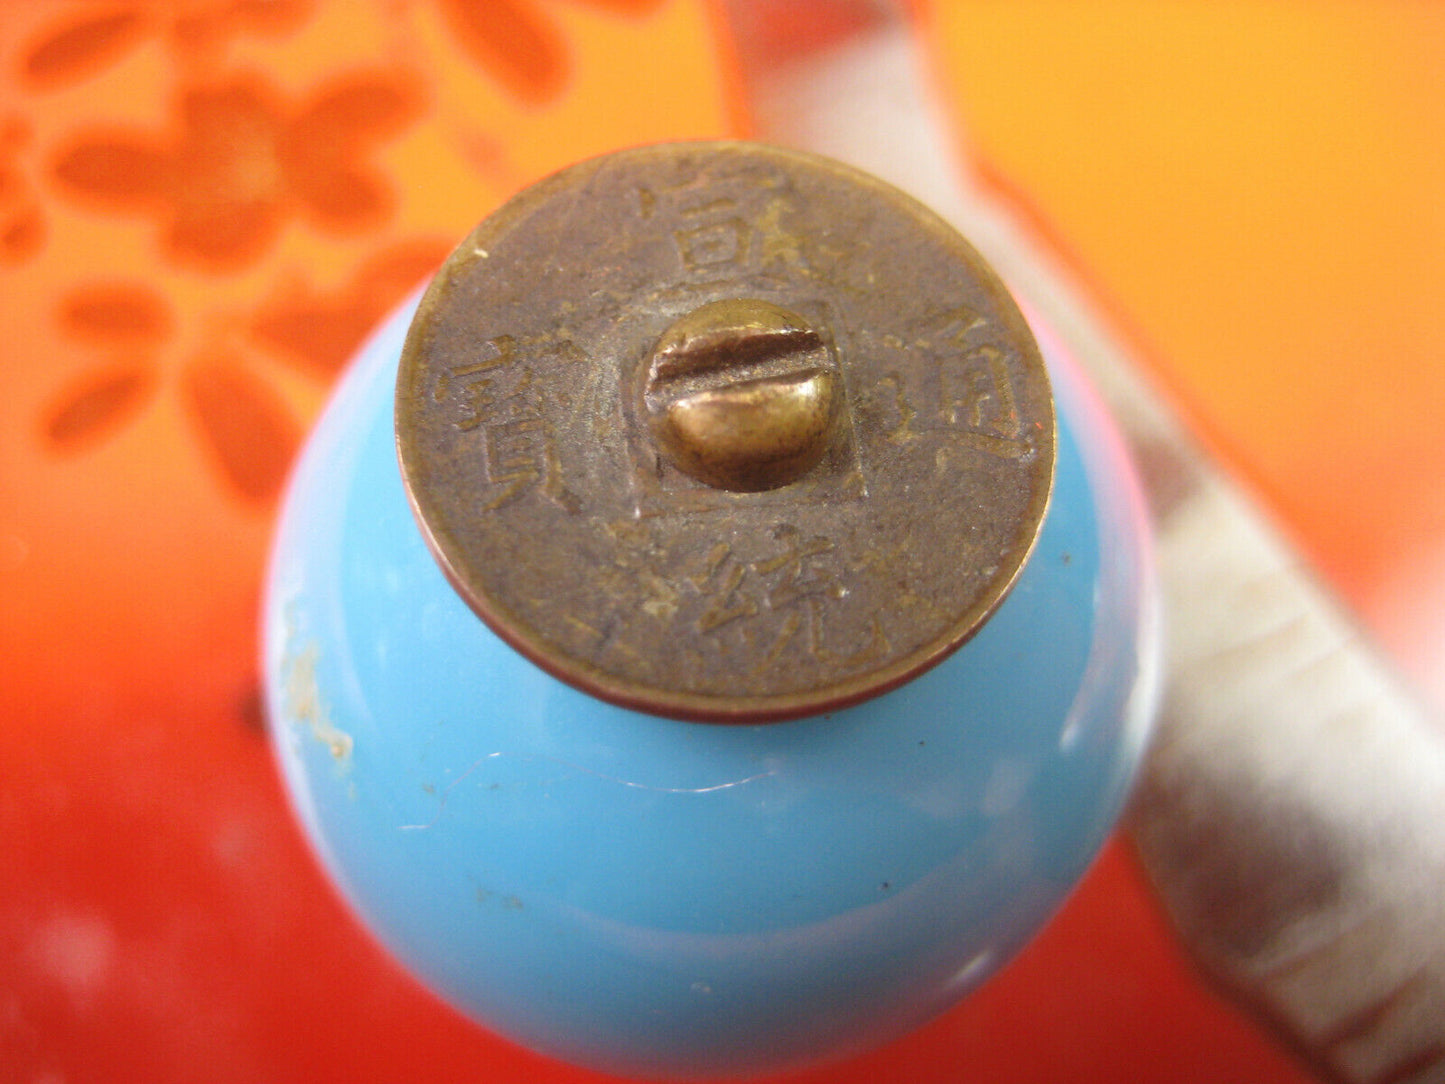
{"x": 204, "y": 207}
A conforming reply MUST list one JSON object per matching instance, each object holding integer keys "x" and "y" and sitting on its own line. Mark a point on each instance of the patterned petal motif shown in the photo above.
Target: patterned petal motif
{"x": 77, "y": 50}
{"x": 22, "y": 235}
{"x": 321, "y": 153}
{"x": 518, "y": 46}
{"x": 78, "y": 47}
{"x": 219, "y": 231}
{"x": 512, "y": 43}
{"x": 319, "y": 330}
{"x": 118, "y": 171}
{"x": 238, "y": 165}
{"x": 364, "y": 106}
{"x": 22, "y": 221}
{"x": 121, "y": 313}
{"x": 242, "y": 423}
{"x": 228, "y": 211}
{"x": 98, "y": 406}
{"x": 122, "y": 318}
{"x": 201, "y": 31}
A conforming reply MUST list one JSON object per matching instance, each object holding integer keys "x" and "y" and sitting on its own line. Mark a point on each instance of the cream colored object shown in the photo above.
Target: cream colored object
{"x": 1292, "y": 810}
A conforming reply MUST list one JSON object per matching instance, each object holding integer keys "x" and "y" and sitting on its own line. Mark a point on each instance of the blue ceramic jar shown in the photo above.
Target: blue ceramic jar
{"x": 657, "y": 897}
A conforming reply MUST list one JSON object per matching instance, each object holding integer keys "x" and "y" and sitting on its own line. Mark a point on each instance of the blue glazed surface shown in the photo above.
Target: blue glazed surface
{"x": 655, "y": 897}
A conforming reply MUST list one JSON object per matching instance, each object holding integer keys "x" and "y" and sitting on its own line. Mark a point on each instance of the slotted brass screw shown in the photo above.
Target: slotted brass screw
{"x": 740, "y": 394}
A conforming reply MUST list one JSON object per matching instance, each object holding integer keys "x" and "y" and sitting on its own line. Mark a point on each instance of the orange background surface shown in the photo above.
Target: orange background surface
{"x": 205, "y": 205}
{"x": 1255, "y": 192}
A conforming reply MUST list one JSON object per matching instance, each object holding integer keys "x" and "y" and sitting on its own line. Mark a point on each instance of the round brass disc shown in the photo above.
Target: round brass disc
{"x": 548, "y": 347}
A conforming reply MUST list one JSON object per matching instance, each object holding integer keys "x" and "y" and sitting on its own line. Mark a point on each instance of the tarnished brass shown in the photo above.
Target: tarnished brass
{"x": 739, "y": 395}
{"x": 724, "y": 432}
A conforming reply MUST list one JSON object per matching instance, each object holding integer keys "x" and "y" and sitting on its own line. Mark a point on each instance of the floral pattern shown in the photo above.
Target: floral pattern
{"x": 22, "y": 222}
{"x": 235, "y": 165}
{"x": 76, "y": 49}
{"x": 129, "y": 322}
{"x": 239, "y": 162}
{"x": 242, "y": 160}
{"x": 242, "y": 424}
{"x": 318, "y": 330}
{"x": 518, "y": 45}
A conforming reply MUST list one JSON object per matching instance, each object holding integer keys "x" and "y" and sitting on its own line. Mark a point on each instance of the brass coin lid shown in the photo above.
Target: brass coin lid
{"x": 600, "y": 379}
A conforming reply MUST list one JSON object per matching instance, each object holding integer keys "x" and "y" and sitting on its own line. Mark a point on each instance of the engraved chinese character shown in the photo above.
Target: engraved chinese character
{"x": 714, "y": 244}
{"x": 497, "y": 396}
{"x": 475, "y": 386}
{"x": 515, "y": 453}
{"x": 977, "y": 394}
{"x": 801, "y": 582}
{"x": 800, "y": 572}
{"x": 787, "y": 598}
{"x": 742, "y": 230}
{"x": 721, "y": 584}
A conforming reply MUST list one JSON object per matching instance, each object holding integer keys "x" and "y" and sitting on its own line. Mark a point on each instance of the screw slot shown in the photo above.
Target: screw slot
{"x": 741, "y": 395}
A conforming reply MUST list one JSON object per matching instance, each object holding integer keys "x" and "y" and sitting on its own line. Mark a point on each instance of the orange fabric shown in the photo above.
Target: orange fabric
{"x": 203, "y": 209}
{"x": 205, "y": 205}
{"x": 1255, "y": 192}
